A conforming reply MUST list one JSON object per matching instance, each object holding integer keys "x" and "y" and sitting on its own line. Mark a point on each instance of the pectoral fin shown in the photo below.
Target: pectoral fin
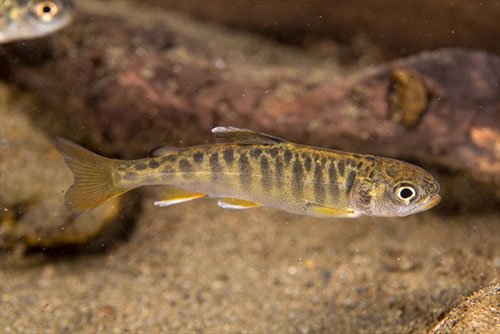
{"x": 323, "y": 211}
{"x": 172, "y": 195}
{"x": 238, "y": 204}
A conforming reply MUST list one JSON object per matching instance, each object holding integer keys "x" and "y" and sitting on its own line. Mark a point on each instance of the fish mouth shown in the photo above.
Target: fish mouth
{"x": 432, "y": 201}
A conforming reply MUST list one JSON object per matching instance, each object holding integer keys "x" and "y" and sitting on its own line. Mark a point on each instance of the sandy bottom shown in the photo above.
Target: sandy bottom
{"x": 196, "y": 267}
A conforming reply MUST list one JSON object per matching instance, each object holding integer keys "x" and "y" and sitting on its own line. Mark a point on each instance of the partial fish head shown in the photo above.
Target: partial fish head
{"x": 26, "y": 19}
{"x": 396, "y": 189}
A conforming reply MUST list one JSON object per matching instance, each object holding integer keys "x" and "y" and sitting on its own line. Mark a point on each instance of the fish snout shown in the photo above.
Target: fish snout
{"x": 433, "y": 201}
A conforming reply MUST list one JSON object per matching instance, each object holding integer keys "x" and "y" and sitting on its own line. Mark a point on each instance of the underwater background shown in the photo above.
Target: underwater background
{"x": 416, "y": 80}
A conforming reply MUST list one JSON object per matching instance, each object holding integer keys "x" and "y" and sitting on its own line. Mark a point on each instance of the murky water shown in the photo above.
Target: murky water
{"x": 195, "y": 267}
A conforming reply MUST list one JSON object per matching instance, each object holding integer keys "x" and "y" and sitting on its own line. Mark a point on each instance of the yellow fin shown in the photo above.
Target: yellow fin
{"x": 92, "y": 174}
{"x": 172, "y": 195}
{"x": 323, "y": 211}
{"x": 230, "y": 134}
{"x": 238, "y": 204}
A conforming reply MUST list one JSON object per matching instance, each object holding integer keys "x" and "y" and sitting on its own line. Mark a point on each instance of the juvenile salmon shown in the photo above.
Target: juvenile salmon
{"x": 247, "y": 169}
{"x": 26, "y": 19}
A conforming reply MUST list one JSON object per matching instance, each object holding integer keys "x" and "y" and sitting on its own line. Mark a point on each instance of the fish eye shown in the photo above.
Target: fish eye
{"x": 46, "y": 10}
{"x": 406, "y": 193}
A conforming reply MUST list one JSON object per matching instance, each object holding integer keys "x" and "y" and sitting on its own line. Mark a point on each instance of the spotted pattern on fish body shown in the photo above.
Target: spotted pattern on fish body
{"x": 244, "y": 170}
{"x": 228, "y": 155}
{"x": 319, "y": 190}
{"x": 198, "y": 157}
{"x": 153, "y": 164}
{"x": 263, "y": 170}
{"x": 214, "y": 165}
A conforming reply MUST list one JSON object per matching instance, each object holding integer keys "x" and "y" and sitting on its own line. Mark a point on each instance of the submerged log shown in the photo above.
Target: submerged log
{"x": 441, "y": 108}
{"x": 401, "y": 26}
{"x": 127, "y": 86}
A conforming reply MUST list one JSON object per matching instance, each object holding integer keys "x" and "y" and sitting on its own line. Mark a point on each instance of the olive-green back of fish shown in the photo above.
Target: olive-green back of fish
{"x": 248, "y": 169}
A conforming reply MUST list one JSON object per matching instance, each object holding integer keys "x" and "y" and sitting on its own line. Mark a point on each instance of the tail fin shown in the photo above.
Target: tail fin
{"x": 93, "y": 183}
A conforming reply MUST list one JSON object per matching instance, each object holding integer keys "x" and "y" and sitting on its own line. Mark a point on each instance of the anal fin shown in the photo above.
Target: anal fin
{"x": 238, "y": 204}
{"x": 323, "y": 211}
{"x": 172, "y": 195}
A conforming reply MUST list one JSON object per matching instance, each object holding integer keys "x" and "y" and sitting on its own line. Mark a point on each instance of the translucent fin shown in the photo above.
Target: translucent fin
{"x": 162, "y": 150}
{"x": 323, "y": 211}
{"x": 172, "y": 195}
{"x": 93, "y": 183}
{"x": 238, "y": 204}
{"x": 229, "y": 134}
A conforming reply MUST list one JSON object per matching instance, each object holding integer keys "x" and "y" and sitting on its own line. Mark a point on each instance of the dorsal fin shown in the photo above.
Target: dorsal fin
{"x": 162, "y": 150}
{"x": 232, "y": 135}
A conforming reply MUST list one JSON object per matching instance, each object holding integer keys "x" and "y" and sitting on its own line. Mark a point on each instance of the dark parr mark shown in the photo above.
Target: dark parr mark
{"x": 171, "y": 157}
{"x": 307, "y": 163}
{"x": 256, "y": 153}
{"x": 167, "y": 171}
{"x": 357, "y": 156}
{"x": 185, "y": 166}
{"x": 341, "y": 167}
{"x": 319, "y": 190}
{"x": 198, "y": 157}
{"x": 273, "y": 152}
{"x": 350, "y": 182}
{"x": 140, "y": 166}
{"x": 244, "y": 166}
{"x": 214, "y": 165}
{"x": 228, "y": 156}
{"x": 332, "y": 179}
{"x": 264, "y": 170}
{"x": 298, "y": 173}
{"x": 153, "y": 164}
{"x": 370, "y": 158}
{"x": 359, "y": 165}
{"x": 278, "y": 165}
{"x": 287, "y": 156}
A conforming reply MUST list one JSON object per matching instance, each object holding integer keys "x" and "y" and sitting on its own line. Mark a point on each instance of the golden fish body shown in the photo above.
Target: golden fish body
{"x": 248, "y": 169}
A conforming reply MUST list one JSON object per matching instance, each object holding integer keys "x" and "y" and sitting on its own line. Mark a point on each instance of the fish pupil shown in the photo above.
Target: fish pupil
{"x": 46, "y": 9}
{"x": 406, "y": 193}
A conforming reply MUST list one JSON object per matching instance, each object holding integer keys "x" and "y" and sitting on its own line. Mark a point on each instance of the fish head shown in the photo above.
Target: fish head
{"x": 396, "y": 189}
{"x": 34, "y": 18}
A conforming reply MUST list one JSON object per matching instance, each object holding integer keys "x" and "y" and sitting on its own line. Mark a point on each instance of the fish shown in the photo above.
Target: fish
{"x": 247, "y": 169}
{"x": 27, "y": 19}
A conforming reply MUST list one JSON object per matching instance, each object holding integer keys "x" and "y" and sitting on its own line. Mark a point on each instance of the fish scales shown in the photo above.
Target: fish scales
{"x": 259, "y": 174}
{"x": 255, "y": 169}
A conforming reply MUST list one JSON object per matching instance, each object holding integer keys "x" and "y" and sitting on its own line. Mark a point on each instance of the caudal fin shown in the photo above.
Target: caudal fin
{"x": 93, "y": 183}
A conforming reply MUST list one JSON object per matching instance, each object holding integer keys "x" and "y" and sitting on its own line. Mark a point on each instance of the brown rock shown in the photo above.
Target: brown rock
{"x": 446, "y": 115}
{"x": 33, "y": 179}
{"x": 479, "y": 313}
